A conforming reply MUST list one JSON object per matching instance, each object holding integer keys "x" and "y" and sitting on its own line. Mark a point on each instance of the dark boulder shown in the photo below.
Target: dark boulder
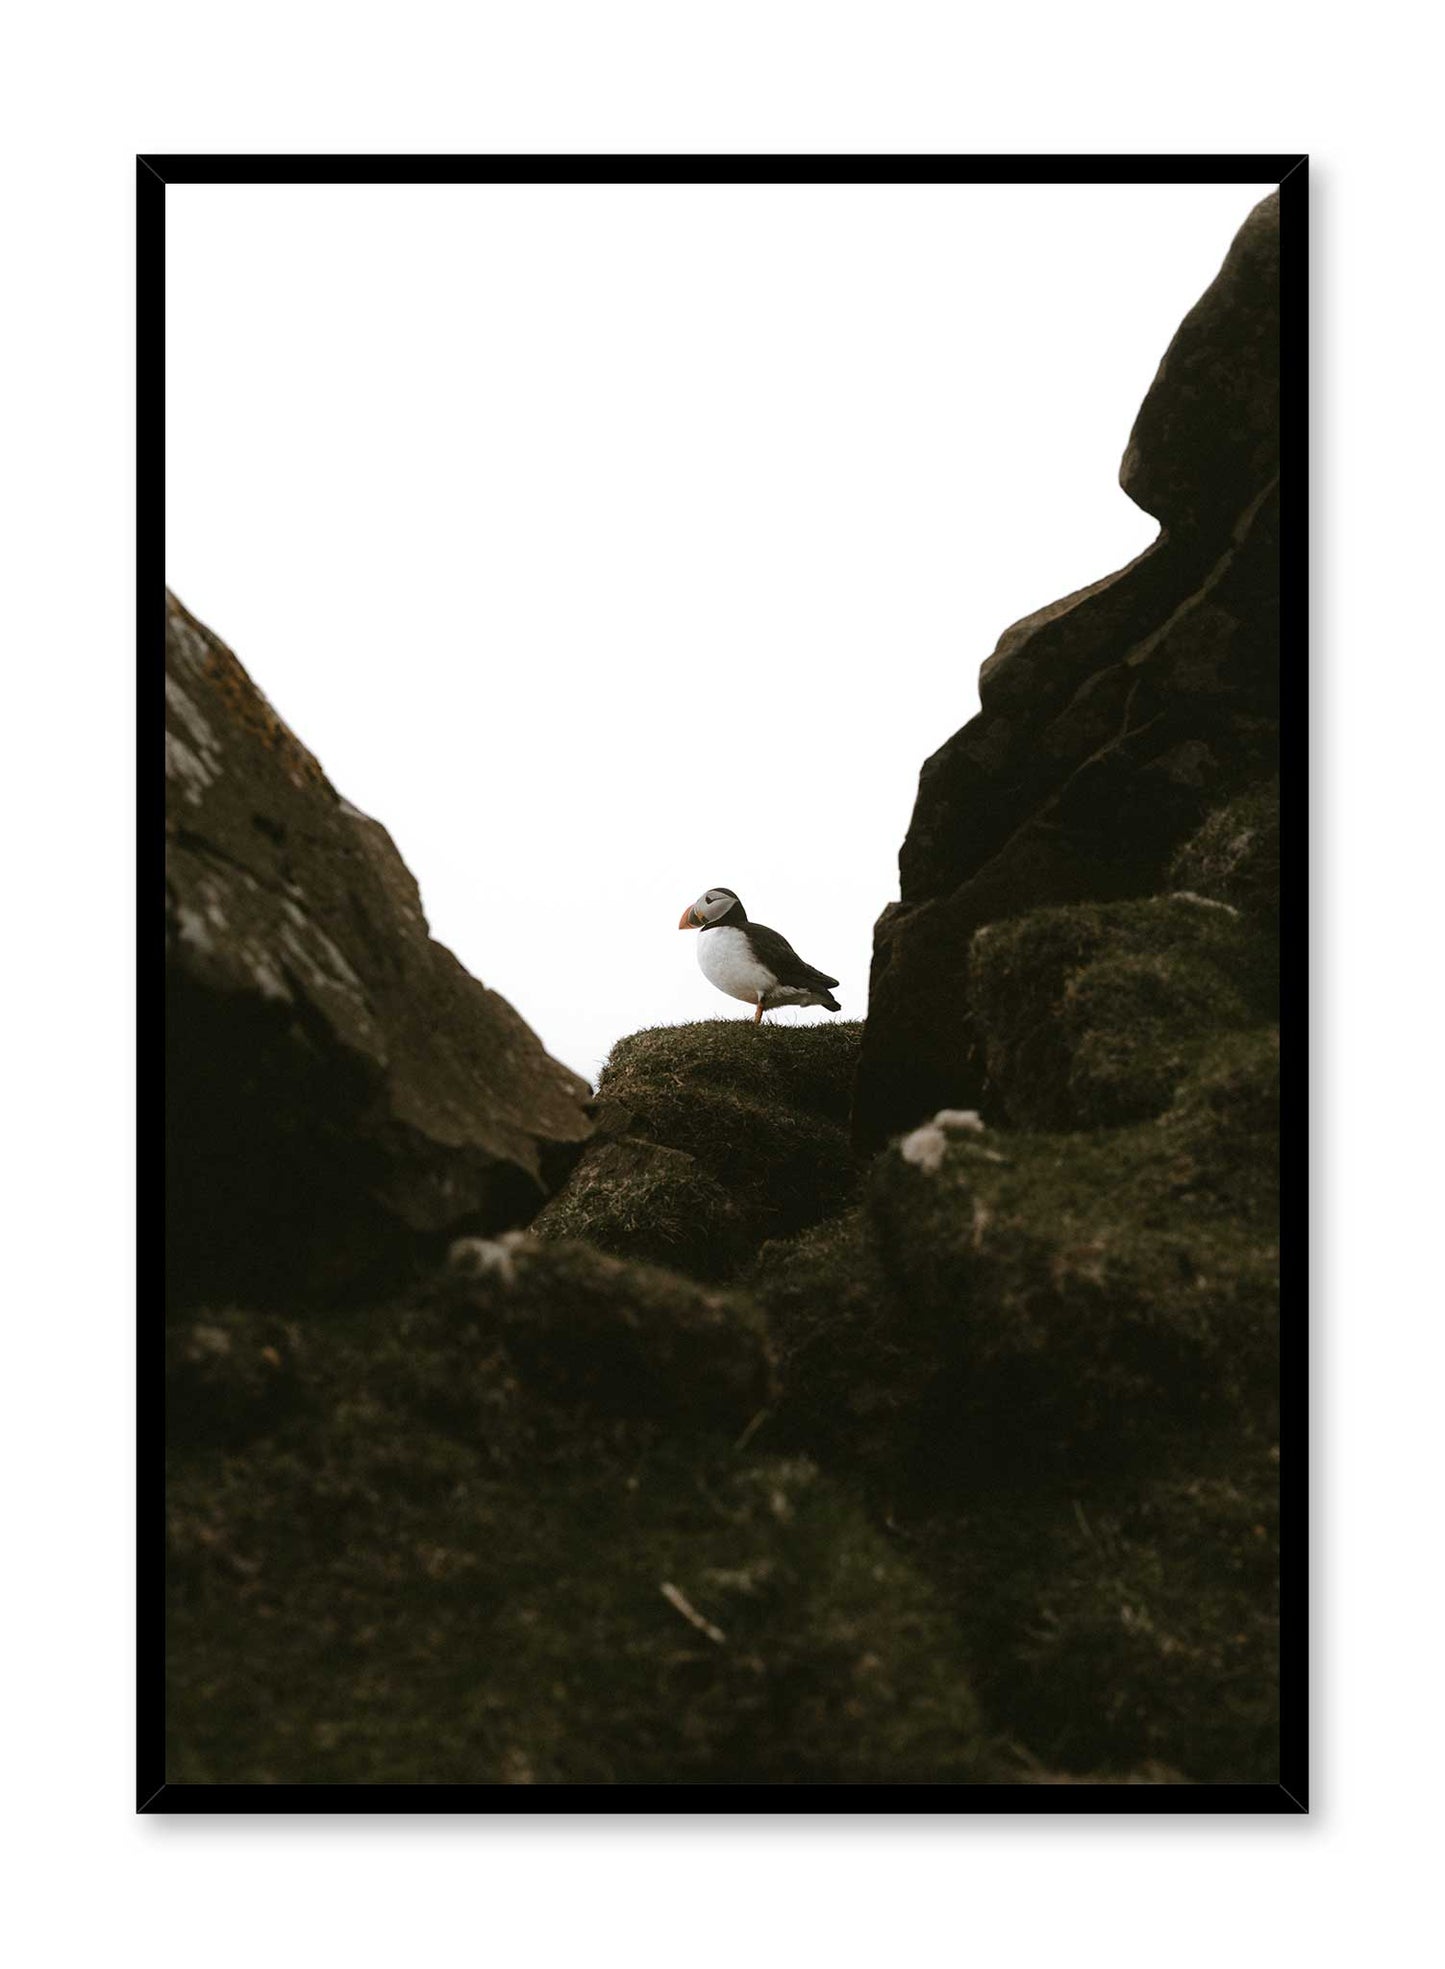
{"x": 1112, "y": 722}
{"x": 1207, "y": 435}
{"x": 713, "y": 1136}
{"x": 340, "y": 1092}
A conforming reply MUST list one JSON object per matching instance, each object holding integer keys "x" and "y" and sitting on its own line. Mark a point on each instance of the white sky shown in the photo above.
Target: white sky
{"x": 611, "y": 542}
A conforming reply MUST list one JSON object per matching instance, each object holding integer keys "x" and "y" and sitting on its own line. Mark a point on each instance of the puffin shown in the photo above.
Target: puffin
{"x": 749, "y": 961}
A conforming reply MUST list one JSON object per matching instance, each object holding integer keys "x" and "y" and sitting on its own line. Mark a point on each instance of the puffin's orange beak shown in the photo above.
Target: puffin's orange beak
{"x": 690, "y": 919}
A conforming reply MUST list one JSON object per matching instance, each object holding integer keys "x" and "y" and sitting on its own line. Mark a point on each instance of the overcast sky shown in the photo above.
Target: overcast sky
{"x": 609, "y": 543}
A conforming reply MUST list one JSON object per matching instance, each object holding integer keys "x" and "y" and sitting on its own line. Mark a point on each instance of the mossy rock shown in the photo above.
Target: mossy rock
{"x": 1086, "y": 1299}
{"x": 392, "y": 1615}
{"x": 1116, "y": 1582}
{"x": 1119, "y": 1625}
{"x": 1093, "y": 1016}
{"x": 809, "y": 1068}
{"x": 1052, "y": 1360}
{"x": 1234, "y": 858}
{"x": 1007, "y": 1302}
{"x": 637, "y": 1199}
{"x": 852, "y": 1376}
{"x": 1223, "y": 1130}
{"x": 567, "y": 1324}
{"x": 510, "y": 1540}
{"x": 734, "y": 1133}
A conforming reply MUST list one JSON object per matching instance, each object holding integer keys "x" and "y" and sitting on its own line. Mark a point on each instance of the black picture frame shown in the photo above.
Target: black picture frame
{"x": 154, "y": 173}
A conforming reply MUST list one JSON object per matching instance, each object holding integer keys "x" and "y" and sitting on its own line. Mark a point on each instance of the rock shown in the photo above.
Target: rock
{"x": 1051, "y": 1363}
{"x": 1112, "y": 722}
{"x": 1042, "y": 1306}
{"x": 1095, "y": 1016}
{"x": 808, "y": 1069}
{"x": 340, "y": 1092}
{"x": 735, "y": 1133}
{"x": 511, "y": 1540}
{"x": 1118, "y": 1624}
{"x": 638, "y": 1200}
{"x": 1234, "y": 858}
{"x": 1207, "y": 435}
{"x": 1086, "y": 1302}
{"x": 572, "y": 1325}
{"x": 854, "y": 1379}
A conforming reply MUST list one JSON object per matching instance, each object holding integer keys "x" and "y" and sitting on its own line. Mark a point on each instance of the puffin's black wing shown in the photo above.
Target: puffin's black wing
{"x": 782, "y": 960}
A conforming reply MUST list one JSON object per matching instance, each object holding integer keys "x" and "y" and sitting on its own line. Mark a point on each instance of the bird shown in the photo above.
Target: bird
{"x": 749, "y": 961}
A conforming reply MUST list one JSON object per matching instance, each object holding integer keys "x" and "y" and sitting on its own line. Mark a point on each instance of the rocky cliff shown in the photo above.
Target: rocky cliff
{"x": 894, "y": 1403}
{"x": 341, "y": 1096}
{"x": 1112, "y": 721}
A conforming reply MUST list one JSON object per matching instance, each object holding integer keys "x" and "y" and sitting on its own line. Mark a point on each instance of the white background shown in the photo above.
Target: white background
{"x": 85, "y": 88}
{"x": 612, "y": 542}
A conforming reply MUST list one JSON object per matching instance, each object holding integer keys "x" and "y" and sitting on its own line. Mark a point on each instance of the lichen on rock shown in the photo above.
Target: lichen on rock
{"x": 341, "y": 1095}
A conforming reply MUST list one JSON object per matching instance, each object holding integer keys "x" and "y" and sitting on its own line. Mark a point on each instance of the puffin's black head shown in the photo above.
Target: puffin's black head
{"x": 712, "y": 907}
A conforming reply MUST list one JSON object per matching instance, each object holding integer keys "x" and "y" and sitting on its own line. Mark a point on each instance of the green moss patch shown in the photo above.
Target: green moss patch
{"x": 1112, "y": 1626}
{"x": 1085, "y": 1299}
{"x": 507, "y": 1545}
{"x": 733, "y": 1133}
{"x": 852, "y": 1376}
{"x": 1093, "y": 1016}
{"x": 636, "y": 1199}
{"x": 809, "y": 1068}
{"x": 566, "y": 1323}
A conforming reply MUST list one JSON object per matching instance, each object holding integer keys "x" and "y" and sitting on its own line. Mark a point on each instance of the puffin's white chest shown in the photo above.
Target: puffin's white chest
{"x": 727, "y": 961}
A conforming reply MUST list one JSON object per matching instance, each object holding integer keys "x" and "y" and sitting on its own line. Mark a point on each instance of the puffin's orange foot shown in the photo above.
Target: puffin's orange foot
{"x": 758, "y": 1015}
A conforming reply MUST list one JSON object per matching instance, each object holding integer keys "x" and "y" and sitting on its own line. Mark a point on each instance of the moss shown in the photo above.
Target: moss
{"x": 568, "y": 1324}
{"x": 851, "y": 1375}
{"x": 1053, "y": 1360}
{"x": 1115, "y": 1625}
{"x": 1085, "y": 1299}
{"x": 1094, "y": 1015}
{"x": 1234, "y": 857}
{"x": 431, "y": 1542}
{"x": 1135, "y": 1028}
{"x": 636, "y": 1199}
{"x": 754, "y": 1118}
{"x": 455, "y": 1570}
{"x": 809, "y": 1068}
{"x": 784, "y": 1168}
{"x": 1223, "y": 1130}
